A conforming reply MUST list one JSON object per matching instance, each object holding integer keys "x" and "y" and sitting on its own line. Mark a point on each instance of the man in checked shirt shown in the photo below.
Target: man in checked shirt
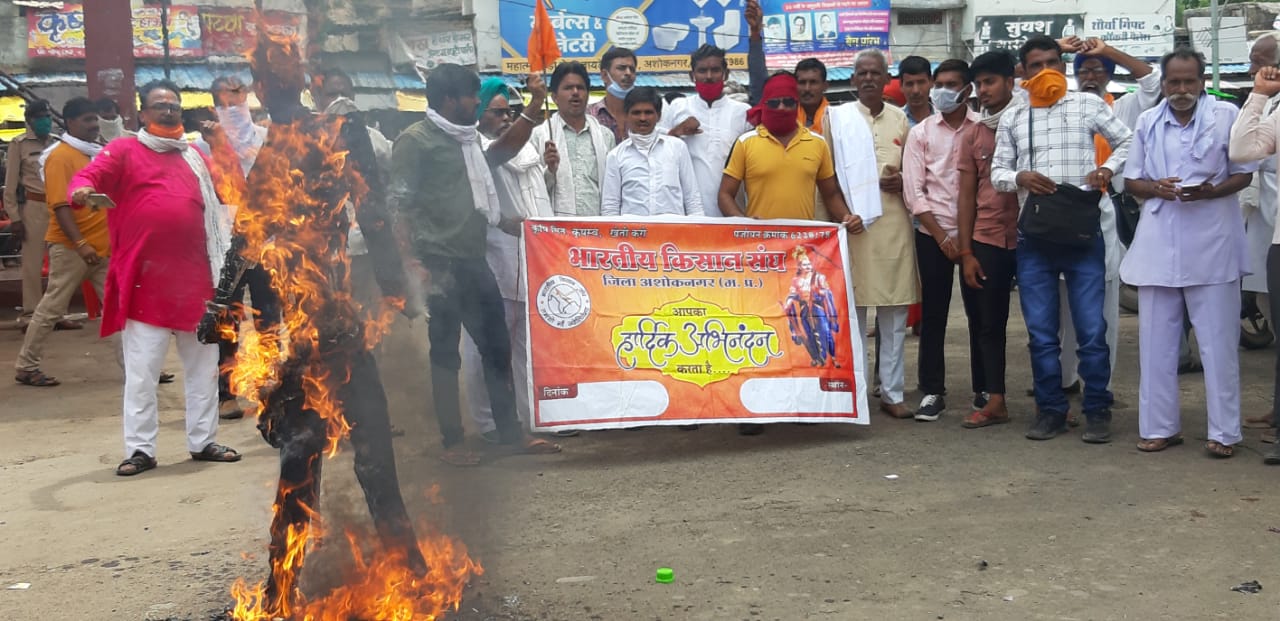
{"x": 1064, "y": 127}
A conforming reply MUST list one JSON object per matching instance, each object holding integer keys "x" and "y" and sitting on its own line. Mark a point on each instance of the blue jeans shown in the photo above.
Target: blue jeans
{"x": 1085, "y": 272}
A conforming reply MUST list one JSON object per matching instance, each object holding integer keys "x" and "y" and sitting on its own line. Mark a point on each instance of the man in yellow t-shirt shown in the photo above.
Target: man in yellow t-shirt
{"x": 781, "y": 164}
{"x": 78, "y": 240}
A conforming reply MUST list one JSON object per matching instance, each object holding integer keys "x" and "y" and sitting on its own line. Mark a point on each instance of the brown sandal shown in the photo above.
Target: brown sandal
{"x": 139, "y": 463}
{"x": 1218, "y": 449}
{"x": 983, "y": 418}
{"x": 216, "y": 452}
{"x": 35, "y": 378}
{"x": 1155, "y": 445}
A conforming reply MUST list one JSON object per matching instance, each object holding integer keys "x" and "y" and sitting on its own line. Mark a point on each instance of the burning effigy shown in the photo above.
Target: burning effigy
{"x": 312, "y": 379}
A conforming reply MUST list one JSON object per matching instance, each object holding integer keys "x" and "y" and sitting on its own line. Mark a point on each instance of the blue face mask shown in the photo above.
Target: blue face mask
{"x": 617, "y": 91}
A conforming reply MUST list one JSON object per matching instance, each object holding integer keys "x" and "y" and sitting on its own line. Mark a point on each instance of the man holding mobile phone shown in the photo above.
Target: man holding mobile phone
{"x": 1179, "y": 165}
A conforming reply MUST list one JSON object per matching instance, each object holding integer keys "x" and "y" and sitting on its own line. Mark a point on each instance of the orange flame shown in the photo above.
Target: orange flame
{"x": 296, "y": 230}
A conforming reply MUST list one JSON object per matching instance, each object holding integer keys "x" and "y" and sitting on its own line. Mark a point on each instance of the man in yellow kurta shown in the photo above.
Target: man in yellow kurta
{"x": 884, "y": 257}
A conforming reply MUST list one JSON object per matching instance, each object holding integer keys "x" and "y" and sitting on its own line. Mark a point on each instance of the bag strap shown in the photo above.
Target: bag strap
{"x": 1031, "y": 144}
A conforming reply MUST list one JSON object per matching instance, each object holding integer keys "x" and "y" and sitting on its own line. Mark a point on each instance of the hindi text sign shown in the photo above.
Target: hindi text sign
{"x": 660, "y": 321}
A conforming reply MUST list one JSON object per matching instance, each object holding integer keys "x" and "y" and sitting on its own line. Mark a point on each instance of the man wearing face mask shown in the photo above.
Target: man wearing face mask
{"x": 110, "y": 123}
{"x": 708, "y": 123}
{"x": 781, "y": 163}
{"x": 231, "y": 104}
{"x": 931, "y": 180}
{"x": 649, "y": 174}
{"x": 169, "y": 237}
{"x": 1188, "y": 253}
{"x": 1060, "y": 126}
{"x": 78, "y": 244}
{"x": 618, "y": 72}
{"x": 30, "y": 216}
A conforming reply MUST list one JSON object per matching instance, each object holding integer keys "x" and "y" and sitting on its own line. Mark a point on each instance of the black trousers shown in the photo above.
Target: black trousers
{"x": 464, "y": 293}
{"x": 988, "y": 312}
{"x": 1273, "y": 293}
{"x": 937, "y": 277}
{"x": 266, "y": 318}
{"x": 302, "y": 438}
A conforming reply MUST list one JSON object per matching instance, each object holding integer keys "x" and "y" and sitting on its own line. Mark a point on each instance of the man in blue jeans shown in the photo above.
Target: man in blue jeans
{"x": 1038, "y": 146}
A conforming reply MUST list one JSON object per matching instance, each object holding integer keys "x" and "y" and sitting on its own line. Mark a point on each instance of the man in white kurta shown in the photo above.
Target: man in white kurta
{"x": 708, "y": 122}
{"x": 1178, "y": 162}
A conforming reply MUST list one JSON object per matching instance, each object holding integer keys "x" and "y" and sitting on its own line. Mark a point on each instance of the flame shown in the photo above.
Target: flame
{"x": 296, "y": 229}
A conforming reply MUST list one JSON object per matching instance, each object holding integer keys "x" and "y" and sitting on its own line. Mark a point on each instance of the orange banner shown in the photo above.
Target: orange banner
{"x": 666, "y": 321}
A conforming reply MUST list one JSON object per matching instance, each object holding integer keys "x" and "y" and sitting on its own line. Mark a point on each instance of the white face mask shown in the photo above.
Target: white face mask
{"x": 644, "y": 142}
{"x": 110, "y": 130}
{"x": 946, "y": 100}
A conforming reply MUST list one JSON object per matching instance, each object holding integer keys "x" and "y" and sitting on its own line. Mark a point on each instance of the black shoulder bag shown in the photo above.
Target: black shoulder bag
{"x": 1068, "y": 217}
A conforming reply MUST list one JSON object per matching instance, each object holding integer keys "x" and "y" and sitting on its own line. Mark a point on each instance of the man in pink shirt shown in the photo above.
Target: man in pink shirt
{"x": 931, "y": 182}
{"x": 169, "y": 233}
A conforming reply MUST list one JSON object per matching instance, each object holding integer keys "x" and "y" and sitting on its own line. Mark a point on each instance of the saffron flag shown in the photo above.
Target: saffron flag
{"x": 543, "y": 48}
{"x": 659, "y": 321}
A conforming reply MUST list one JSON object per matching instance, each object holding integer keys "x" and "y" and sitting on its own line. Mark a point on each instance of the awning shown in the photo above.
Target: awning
{"x": 12, "y": 109}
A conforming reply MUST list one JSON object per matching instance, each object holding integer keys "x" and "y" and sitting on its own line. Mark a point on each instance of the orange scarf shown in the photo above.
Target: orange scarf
{"x": 1102, "y": 148}
{"x": 165, "y": 131}
{"x": 1046, "y": 88}
{"x": 818, "y": 117}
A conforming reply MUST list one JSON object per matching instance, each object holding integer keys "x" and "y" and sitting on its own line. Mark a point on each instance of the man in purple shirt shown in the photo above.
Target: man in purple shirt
{"x": 1178, "y": 162}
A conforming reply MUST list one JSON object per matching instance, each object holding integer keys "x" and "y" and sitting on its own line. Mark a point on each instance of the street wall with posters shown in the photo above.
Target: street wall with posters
{"x": 660, "y": 321}
{"x": 59, "y": 33}
{"x": 833, "y": 31}
{"x": 663, "y": 33}
{"x": 232, "y": 33}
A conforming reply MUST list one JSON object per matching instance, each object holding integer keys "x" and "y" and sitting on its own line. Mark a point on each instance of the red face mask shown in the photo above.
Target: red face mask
{"x": 779, "y": 122}
{"x": 709, "y": 91}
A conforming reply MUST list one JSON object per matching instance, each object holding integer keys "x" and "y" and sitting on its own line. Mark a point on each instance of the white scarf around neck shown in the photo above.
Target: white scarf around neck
{"x": 89, "y": 149}
{"x": 644, "y": 142}
{"x": 217, "y": 218}
{"x": 857, "y": 171}
{"x": 483, "y": 191}
{"x": 992, "y": 120}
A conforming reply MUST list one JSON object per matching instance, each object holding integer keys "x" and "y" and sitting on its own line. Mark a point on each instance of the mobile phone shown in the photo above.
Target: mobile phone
{"x": 99, "y": 200}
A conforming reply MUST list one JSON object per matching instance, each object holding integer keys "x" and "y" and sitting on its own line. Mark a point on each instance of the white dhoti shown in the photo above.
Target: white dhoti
{"x": 473, "y": 371}
{"x": 144, "y": 348}
{"x": 1215, "y": 315}
{"x": 891, "y": 325}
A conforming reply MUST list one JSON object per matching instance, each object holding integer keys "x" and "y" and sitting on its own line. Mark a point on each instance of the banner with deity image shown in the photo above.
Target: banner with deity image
{"x": 666, "y": 321}
{"x": 833, "y": 31}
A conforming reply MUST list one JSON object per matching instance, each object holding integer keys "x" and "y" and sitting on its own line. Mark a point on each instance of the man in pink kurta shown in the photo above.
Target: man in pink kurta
{"x": 160, "y": 276}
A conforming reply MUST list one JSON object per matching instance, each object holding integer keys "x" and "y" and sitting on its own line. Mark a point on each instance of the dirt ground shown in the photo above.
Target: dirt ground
{"x": 800, "y": 523}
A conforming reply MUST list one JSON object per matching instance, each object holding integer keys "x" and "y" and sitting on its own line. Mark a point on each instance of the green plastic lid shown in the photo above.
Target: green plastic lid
{"x": 666, "y": 575}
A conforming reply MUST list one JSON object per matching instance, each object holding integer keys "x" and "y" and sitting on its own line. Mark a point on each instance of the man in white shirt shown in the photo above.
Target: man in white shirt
{"x": 649, "y": 174}
{"x": 708, "y": 123}
{"x": 574, "y": 145}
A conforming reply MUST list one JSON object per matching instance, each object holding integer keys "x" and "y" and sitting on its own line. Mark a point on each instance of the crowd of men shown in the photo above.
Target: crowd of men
{"x": 1034, "y": 186}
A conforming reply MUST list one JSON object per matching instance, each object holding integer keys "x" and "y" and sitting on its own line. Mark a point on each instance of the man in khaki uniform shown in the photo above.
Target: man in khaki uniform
{"x": 31, "y": 216}
{"x": 884, "y": 257}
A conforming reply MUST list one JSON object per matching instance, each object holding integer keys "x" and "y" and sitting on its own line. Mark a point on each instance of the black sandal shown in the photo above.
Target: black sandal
{"x": 35, "y": 378}
{"x": 139, "y": 463}
{"x": 166, "y": 378}
{"x": 216, "y": 452}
